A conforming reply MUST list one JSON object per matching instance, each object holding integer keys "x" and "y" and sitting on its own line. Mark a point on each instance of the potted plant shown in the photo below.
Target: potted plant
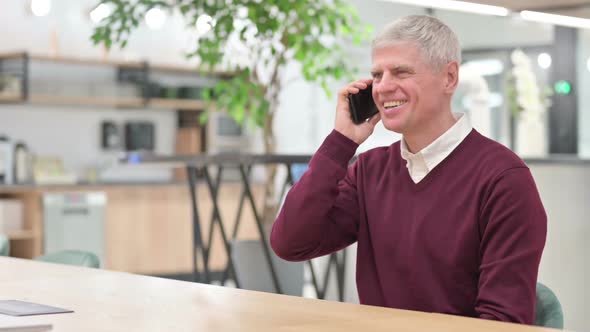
{"x": 528, "y": 105}
{"x": 270, "y": 34}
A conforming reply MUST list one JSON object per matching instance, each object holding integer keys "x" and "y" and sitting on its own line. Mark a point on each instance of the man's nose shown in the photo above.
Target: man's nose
{"x": 386, "y": 84}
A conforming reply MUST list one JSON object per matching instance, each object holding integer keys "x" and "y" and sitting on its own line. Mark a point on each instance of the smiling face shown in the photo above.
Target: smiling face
{"x": 411, "y": 96}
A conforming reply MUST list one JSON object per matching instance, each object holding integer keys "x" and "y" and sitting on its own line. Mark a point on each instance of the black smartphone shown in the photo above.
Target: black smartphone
{"x": 362, "y": 106}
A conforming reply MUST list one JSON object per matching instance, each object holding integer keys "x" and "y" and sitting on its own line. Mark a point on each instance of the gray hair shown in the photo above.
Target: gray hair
{"x": 437, "y": 43}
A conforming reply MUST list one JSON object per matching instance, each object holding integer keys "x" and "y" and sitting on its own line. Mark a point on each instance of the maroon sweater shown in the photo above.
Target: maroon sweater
{"x": 466, "y": 240}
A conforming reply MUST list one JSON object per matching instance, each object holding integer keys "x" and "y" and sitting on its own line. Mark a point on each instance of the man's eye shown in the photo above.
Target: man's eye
{"x": 377, "y": 75}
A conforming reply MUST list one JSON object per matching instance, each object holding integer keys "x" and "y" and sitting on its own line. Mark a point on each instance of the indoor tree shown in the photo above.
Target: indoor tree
{"x": 256, "y": 40}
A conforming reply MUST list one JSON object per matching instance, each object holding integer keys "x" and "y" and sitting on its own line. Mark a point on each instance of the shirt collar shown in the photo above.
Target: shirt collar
{"x": 440, "y": 148}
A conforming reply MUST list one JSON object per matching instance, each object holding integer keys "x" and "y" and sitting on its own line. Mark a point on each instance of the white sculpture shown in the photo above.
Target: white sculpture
{"x": 531, "y": 131}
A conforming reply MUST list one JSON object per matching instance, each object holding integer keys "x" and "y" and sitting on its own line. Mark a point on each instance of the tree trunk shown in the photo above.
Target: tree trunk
{"x": 271, "y": 202}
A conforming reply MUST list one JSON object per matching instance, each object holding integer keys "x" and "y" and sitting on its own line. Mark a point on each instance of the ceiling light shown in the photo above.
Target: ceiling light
{"x": 544, "y": 60}
{"x": 457, "y": 5}
{"x": 204, "y": 24}
{"x": 40, "y": 7}
{"x": 588, "y": 64}
{"x": 99, "y": 13}
{"x": 155, "y": 18}
{"x": 569, "y": 21}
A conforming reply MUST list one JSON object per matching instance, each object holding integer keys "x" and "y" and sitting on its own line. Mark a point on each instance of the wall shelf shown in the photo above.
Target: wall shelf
{"x": 87, "y": 101}
{"x": 85, "y": 61}
{"x": 145, "y": 85}
{"x": 180, "y": 104}
{"x": 188, "y": 70}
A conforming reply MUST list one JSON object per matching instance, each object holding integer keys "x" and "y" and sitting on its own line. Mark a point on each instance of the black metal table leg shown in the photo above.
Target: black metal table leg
{"x": 341, "y": 272}
{"x": 336, "y": 261}
{"x": 314, "y": 279}
{"x": 216, "y": 218}
{"x": 213, "y": 212}
{"x": 234, "y": 234}
{"x": 264, "y": 243}
{"x": 332, "y": 258}
{"x": 198, "y": 244}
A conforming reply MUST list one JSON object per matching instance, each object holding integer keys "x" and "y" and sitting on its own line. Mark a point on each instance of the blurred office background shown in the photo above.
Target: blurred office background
{"x": 60, "y": 145}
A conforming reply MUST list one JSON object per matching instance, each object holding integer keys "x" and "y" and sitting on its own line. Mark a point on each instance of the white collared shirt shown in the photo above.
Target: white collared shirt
{"x": 421, "y": 163}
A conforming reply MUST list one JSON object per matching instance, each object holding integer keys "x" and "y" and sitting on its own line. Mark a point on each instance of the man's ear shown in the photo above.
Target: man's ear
{"x": 451, "y": 79}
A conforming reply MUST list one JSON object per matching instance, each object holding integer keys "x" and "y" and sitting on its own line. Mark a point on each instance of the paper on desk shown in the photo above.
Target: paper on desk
{"x": 21, "y": 324}
{"x": 23, "y": 308}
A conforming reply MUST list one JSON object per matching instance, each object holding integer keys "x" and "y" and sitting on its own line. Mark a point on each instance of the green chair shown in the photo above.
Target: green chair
{"x": 71, "y": 257}
{"x": 4, "y": 245}
{"x": 253, "y": 272}
{"x": 549, "y": 312}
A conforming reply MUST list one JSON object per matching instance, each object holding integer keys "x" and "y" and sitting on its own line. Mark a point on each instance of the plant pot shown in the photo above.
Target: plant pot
{"x": 531, "y": 137}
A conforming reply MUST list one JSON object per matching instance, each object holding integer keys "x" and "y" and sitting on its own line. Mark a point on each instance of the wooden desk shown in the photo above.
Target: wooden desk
{"x": 116, "y": 301}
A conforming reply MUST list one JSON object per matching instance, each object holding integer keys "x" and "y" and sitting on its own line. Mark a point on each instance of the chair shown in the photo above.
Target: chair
{"x": 4, "y": 245}
{"x": 253, "y": 272}
{"x": 71, "y": 257}
{"x": 549, "y": 312}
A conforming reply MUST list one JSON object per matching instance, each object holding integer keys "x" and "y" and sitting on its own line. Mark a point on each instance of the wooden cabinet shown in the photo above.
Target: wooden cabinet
{"x": 26, "y": 243}
{"x": 148, "y": 227}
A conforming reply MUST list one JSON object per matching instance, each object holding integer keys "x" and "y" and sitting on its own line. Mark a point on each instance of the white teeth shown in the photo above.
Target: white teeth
{"x": 394, "y": 103}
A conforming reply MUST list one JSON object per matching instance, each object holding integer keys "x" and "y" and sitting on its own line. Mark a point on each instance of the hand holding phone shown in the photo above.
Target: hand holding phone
{"x": 362, "y": 106}
{"x": 351, "y": 106}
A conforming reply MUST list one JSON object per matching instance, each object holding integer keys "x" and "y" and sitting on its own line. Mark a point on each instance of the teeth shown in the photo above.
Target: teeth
{"x": 395, "y": 103}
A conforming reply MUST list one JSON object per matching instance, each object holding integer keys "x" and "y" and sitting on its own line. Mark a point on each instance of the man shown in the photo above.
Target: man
{"x": 446, "y": 220}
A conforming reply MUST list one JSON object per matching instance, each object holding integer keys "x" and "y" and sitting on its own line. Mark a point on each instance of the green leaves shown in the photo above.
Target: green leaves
{"x": 272, "y": 33}
{"x": 240, "y": 97}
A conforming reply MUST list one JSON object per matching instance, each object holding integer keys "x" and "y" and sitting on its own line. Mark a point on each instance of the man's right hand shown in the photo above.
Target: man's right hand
{"x": 344, "y": 125}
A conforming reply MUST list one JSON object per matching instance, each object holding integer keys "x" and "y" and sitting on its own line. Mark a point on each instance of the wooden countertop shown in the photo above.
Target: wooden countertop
{"x": 114, "y": 301}
{"x": 203, "y": 159}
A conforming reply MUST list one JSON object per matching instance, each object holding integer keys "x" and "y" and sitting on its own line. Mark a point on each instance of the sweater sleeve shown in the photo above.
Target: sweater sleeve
{"x": 320, "y": 213}
{"x": 513, "y": 237}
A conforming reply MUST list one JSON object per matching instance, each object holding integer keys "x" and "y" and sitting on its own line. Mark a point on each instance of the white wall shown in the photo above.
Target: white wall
{"x": 565, "y": 265}
{"x": 74, "y": 135}
{"x": 69, "y": 18}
